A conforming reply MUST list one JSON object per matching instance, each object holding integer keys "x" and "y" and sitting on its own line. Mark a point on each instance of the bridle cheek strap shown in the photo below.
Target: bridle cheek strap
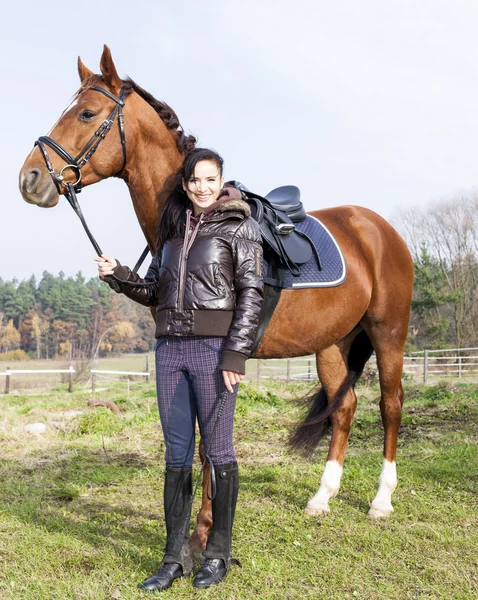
{"x": 76, "y": 164}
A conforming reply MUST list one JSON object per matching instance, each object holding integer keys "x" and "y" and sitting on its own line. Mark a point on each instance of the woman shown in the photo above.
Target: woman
{"x": 206, "y": 283}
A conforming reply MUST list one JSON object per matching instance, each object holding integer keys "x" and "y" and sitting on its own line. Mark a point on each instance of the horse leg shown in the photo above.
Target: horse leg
{"x": 333, "y": 370}
{"x": 198, "y": 539}
{"x": 389, "y": 351}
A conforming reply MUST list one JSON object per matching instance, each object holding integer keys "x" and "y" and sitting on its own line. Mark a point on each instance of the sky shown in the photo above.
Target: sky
{"x": 372, "y": 103}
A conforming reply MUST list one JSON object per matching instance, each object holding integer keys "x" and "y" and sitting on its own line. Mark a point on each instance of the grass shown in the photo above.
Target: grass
{"x": 81, "y": 505}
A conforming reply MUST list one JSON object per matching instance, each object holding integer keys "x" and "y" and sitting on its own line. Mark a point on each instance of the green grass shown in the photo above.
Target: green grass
{"x": 81, "y": 505}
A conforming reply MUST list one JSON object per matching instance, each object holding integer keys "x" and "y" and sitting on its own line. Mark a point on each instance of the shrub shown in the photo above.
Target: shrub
{"x": 14, "y": 355}
{"x": 435, "y": 393}
{"x": 100, "y": 421}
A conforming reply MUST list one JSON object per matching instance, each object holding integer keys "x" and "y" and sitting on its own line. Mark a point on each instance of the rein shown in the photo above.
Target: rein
{"x": 75, "y": 164}
{"x": 70, "y": 192}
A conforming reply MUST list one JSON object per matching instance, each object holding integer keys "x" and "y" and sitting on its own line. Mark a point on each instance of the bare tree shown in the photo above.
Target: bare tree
{"x": 448, "y": 229}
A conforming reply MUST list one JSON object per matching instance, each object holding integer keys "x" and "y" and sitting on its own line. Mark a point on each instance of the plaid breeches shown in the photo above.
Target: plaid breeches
{"x": 189, "y": 385}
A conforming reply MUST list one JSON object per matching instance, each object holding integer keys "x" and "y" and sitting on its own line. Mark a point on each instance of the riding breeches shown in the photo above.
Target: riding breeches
{"x": 189, "y": 385}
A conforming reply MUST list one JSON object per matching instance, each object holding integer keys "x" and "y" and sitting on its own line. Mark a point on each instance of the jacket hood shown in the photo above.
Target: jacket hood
{"x": 230, "y": 200}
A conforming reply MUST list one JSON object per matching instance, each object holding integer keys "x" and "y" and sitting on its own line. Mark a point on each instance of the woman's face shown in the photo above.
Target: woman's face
{"x": 204, "y": 187}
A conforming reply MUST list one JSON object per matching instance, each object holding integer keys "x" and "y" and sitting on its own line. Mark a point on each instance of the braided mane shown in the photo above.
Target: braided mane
{"x": 184, "y": 142}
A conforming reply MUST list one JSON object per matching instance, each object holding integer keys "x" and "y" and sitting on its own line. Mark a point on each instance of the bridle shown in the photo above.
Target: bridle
{"x": 77, "y": 163}
{"x": 70, "y": 190}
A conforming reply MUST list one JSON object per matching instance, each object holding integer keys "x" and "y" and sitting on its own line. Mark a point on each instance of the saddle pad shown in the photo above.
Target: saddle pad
{"x": 334, "y": 270}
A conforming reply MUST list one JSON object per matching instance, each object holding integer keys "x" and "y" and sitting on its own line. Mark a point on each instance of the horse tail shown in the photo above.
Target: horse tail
{"x": 310, "y": 431}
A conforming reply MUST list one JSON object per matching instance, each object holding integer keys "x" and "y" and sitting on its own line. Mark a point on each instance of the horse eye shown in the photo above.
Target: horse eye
{"x": 87, "y": 115}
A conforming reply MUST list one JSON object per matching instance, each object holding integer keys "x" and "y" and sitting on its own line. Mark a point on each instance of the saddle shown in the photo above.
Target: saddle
{"x": 284, "y": 246}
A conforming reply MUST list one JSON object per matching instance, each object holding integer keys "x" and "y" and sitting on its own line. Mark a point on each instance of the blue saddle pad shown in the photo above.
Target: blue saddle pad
{"x": 334, "y": 270}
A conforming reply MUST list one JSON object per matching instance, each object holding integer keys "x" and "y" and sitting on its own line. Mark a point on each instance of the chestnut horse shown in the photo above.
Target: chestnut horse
{"x": 341, "y": 325}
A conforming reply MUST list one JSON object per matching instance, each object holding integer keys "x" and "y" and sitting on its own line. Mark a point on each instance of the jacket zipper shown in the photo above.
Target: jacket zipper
{"x": 189, "y": 237}
{"x": 258, "y": 263}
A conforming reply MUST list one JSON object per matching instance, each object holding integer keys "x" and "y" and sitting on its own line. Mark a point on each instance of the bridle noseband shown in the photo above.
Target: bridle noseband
{"x": 78, "y": 162}
{"x": 70, "y": 190}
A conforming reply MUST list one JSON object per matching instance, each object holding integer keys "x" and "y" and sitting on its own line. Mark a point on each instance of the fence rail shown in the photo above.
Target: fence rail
{"x": 288, "y": 369}
{"x": 103, "y": 373}
{"x": 452, "y": 362}
{"x": 8, "y": 374}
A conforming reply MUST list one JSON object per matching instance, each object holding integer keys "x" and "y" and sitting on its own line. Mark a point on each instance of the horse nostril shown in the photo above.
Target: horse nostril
{"x": 33, "y": 178}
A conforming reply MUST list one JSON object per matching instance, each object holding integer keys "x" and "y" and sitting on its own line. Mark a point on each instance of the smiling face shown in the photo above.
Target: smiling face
{"x": 204, "y": 186}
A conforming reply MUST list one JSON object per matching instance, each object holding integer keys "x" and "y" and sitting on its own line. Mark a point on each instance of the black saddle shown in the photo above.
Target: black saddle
{"x": 276, "y": 213}
{"x": 287, "y": 199}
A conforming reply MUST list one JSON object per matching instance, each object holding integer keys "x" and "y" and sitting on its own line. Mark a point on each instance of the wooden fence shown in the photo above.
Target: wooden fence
{"x": 287, "y": 369}
{"x": 421, "y": 365}
{"x": 121, "y": 374}
{"x": 9, "y": 373}
{"x": 127, "y": 375}
{"x": 452, "y": 362}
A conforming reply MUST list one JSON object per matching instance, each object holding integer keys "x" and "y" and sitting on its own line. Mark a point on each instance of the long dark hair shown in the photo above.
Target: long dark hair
{"x": 173, "y": 218}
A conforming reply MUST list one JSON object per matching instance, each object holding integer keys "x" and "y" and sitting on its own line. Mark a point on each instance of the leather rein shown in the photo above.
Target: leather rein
{"x": 75, "y": 164}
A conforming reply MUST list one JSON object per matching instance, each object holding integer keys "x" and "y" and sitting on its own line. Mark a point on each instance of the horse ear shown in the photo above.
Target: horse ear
{"x": 108, "y": 70}
{"x": 83, "y": 71}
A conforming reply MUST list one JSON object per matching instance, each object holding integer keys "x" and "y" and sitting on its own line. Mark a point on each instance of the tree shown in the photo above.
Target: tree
{"x": 10, "y": 304}
{"x": 449, "y": 231}
{"x": 115, "y": 336}
{"x": 69, "y": 314}
{"x": 9, "y": 337}
{"x": 25, "y": 298}
{"x": 429, "y": 295}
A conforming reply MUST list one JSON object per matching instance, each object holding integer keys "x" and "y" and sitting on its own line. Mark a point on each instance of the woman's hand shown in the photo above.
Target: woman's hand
{"x": 105, "y": 265}
{"x": 231, "y": 378}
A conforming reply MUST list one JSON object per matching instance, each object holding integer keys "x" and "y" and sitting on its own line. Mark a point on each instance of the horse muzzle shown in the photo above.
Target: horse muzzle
{"x": 37, "y": 187}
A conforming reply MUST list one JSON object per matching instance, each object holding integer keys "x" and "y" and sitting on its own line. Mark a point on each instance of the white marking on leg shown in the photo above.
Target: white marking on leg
{"x": 382, "y": 503}
{"x": 329, "y": 487}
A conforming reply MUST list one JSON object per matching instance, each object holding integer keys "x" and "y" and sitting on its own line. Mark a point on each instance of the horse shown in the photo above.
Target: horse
{"x": 342, "y": 325}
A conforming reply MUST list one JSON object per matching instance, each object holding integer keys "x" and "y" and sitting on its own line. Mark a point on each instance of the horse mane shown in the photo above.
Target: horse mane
{"x": 185, "y": 143}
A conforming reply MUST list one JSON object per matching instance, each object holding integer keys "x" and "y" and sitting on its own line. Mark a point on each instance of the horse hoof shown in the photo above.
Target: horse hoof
{"x": 316, "y": 511}
{"x": 379, "y": 513}
{"x": 196, "y": 543}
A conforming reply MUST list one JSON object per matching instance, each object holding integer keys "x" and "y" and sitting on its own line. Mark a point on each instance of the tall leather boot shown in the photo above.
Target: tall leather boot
{"x": 219, "y": 545}
{"x": 177, "y": 561}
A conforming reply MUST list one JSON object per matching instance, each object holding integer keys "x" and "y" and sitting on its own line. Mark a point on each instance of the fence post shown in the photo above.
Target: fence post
{"x": 128, "y": 385}
{"x": 459, "y": 367}
{"x": 70, "y": 378}
{"x": 309, "y": 370}
{"x": 93, "y": 382}
{"x": 288, "y": 370}
{"x": 7, "y": 380}
{"x": 425, "y": 366}
{"x": 147, "y": 366}
{"x": 258, "y": 369}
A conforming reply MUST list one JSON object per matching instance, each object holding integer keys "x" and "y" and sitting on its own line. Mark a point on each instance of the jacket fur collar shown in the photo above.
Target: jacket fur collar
{"x": 230, "y": 200}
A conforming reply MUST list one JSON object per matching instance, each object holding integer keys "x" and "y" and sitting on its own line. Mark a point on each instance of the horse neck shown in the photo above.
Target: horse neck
{"x": 153, "y": 158}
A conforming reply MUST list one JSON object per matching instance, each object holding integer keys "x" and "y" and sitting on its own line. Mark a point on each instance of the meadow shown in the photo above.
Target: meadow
{"x": 81, "y": 504}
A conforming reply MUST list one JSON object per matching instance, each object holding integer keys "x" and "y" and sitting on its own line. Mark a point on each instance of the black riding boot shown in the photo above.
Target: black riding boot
{"x": 219, "y": 545}
{"x": 177, "y": 561}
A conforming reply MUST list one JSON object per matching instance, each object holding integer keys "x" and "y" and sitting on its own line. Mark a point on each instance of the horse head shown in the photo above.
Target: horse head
{"x": 80, "y": 123}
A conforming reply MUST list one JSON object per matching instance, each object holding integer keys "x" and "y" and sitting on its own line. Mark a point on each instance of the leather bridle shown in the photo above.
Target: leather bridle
{"x": 69, "y": 189}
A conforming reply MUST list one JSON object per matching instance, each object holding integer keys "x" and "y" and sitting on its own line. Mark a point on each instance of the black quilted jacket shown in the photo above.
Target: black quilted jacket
{"x": 210, "y": 282}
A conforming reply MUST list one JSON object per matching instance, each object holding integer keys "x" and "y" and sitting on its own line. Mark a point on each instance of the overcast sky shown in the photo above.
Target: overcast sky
{"x": 372, "y": 103}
